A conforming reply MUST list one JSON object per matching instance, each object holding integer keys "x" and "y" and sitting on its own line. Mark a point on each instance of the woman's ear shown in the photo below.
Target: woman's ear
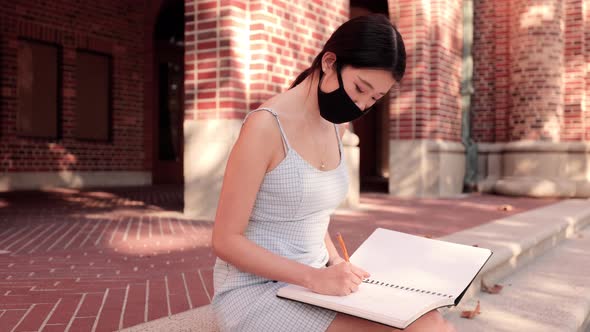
{"x": 328, "y": 62}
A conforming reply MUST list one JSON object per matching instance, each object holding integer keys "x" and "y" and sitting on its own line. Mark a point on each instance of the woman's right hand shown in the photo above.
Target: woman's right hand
{"x": 338, "y": 279}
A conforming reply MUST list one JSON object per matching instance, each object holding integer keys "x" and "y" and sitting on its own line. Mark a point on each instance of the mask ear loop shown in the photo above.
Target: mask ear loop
{"x": 339, "y": 75}
{"x": 321, "y": 80}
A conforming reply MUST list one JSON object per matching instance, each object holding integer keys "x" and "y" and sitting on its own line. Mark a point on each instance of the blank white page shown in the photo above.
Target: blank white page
{"x": 417, "y": 262}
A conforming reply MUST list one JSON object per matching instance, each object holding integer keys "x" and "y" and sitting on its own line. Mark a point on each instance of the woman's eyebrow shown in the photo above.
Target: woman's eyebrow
{"x": 368, "y": 84}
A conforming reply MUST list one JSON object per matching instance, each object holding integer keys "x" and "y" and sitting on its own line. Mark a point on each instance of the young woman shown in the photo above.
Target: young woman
{"x": 286, "y": 175}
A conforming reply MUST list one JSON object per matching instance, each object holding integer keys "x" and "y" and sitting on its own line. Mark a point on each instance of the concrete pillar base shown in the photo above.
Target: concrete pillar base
{"x": 350, "y": 141}
{"x": 542, "y": 187}
{"x": 535, "y": 169}
{"x": 426, "y": 168}
{"x": 42, "y": 180}
{"x": 207, "y": 147}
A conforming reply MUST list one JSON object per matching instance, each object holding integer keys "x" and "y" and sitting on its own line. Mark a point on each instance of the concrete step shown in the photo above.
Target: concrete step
{"x": 516, "y": 241}
{"x": 552, "y": 294}
{"x": 519, "y": 239}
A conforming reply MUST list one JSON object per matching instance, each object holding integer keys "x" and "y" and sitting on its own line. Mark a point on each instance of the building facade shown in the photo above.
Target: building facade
{"x": 154, "y": 91}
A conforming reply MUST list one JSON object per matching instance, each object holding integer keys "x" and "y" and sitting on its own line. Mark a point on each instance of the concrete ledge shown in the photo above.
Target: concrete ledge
{"x": 550, "y": 294}
{"x": 519, "y": 239}
{"x": 516, "y": 241}
{"x": 196, "y": 320}
{"x": 39, "y": 180}
{"x": 426, "y": 168}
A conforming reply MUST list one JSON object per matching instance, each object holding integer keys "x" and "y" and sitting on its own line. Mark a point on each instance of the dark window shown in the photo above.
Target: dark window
{"x": 93, "y": 96}
{"x": 38, "y": 89}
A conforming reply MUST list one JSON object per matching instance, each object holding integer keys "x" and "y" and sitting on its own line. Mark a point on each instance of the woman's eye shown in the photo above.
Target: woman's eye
{"x": 358, "y": 89}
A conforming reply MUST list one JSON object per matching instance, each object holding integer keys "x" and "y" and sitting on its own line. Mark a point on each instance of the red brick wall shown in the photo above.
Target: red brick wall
{"x": 112, "y": 27}
{"x": 239, "y": 53}
{"x": 586, "y": 73}
{"x": 214, "y": 75}
{"x": 286, "y": 36}
{"x": 530, "y": 76}
{"x": 428, "y": 104}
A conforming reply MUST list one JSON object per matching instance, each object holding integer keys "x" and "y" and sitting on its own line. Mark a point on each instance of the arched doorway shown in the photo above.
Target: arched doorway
{"x": 373, "y": 129}
{"x": 169, "y": 94}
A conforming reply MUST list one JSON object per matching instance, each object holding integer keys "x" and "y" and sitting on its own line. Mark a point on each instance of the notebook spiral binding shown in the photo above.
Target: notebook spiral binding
{"x": 417, "y": 290}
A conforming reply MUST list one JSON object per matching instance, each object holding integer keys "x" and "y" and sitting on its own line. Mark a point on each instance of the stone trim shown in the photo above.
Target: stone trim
{"x": 39, "y": 180}
{"x": 426, "y": 168}
{"x": 536, "y": 169}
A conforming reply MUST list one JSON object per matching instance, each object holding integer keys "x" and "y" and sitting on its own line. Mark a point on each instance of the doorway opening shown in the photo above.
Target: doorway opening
{"x": 373, "y": 128}
{"x": 169, "y": 94}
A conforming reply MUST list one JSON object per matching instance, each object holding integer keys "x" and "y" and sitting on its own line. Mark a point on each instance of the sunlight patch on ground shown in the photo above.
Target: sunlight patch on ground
{"x": 150, "y": 210}
{"x": 157, "y": 244}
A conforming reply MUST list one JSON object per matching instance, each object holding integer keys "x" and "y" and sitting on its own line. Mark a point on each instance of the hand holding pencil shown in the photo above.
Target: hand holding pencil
{"x": 338, "y": 279}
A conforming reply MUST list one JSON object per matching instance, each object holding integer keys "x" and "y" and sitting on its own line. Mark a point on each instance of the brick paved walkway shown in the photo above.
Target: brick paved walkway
{"x": 101, "y": 260}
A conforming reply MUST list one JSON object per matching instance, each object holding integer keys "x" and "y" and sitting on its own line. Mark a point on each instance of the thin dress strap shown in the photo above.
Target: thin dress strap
{"x": 285, "y": 141}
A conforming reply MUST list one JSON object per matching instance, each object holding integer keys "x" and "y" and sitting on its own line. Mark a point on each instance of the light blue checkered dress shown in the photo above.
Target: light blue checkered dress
{"x": 290, "y": 218}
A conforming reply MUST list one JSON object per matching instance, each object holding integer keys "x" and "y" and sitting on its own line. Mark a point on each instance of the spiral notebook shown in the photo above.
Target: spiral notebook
{"x": 410, "y": 276}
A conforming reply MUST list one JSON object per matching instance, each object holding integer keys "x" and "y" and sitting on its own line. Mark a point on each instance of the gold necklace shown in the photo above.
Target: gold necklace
{"x": 322, "y": 155}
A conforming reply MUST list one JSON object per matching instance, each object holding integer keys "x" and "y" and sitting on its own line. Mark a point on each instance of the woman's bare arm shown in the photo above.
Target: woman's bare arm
{"x": 248, "y": 162}
{"x": 335, "y": 257}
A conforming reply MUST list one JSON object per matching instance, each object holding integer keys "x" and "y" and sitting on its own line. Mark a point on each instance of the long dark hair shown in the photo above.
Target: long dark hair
{"x": 369, "y": 41}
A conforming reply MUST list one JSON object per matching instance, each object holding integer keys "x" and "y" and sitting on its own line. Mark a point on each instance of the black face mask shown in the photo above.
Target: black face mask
{"x": 337, "y": 106}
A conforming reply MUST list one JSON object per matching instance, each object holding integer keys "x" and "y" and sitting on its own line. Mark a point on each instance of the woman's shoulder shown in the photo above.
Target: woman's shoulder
{"x": 263, "y": 121}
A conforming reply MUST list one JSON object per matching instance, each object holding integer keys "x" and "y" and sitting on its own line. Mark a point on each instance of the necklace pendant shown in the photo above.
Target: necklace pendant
{"x": 322, "y": 165}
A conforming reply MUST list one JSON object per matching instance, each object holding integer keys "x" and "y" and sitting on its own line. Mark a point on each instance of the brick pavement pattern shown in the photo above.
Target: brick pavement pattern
{"x": 106, "y": 259}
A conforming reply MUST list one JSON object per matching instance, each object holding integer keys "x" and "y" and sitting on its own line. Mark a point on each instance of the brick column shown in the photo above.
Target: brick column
{"x": 426, "y": 156}
{"x": 238, "y": 54}
{"x": 574, "y": 121}
{"x": 536, "y": 70}
{"x": 216, "y": 58}
{"x": 543, "y": 152}
{"x": 586, "y": 73}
